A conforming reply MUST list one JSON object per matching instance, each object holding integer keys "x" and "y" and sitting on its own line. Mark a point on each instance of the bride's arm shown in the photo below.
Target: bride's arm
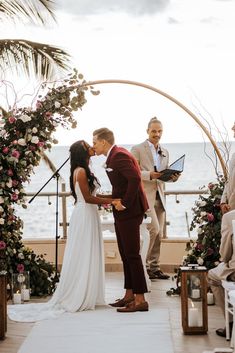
{"x": 81, "y": 178}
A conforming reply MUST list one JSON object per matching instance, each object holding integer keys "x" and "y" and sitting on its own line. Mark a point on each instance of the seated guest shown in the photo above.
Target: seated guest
{"x": 226, "y": 269}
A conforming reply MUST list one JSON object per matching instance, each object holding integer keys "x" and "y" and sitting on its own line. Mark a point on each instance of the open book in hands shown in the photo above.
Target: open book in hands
{"x": 174, "y": 168}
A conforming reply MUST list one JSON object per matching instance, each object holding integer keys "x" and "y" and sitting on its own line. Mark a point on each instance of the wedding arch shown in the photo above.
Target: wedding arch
{"x": 175, "y": 101}
{"x": 24, "y": 134}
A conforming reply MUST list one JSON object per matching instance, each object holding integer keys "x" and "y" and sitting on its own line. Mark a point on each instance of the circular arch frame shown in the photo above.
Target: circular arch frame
{"x": 172, "y": 99}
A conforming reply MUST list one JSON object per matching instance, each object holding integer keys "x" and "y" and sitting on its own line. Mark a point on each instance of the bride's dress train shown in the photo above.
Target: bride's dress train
{"x": 81, "y": 285}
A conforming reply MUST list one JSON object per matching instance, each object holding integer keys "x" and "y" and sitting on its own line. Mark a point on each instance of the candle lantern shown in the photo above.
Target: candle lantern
{"x": 194, "y": 299}
{"x": 20, "y": 287}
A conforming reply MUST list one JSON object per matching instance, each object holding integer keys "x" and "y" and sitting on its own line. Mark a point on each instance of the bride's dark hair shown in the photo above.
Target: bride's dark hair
{"x": 79, "y": 157}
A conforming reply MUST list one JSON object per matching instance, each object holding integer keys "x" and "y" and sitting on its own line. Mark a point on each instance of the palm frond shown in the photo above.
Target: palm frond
{"x": 32, "y": 58}
{"x": 35, "y": 11}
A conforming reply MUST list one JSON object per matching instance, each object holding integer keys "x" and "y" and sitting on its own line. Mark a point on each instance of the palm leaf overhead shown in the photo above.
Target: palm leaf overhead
{"x": 36, "y": 11}
{"x": 30, "y": 57}
{"x": 24, "y": 56}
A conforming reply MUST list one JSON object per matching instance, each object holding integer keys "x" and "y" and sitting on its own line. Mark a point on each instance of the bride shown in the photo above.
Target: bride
{"x": 81, "y": 285}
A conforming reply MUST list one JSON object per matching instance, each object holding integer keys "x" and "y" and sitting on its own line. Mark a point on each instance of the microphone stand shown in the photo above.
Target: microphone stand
{"x": 57, "y": 176}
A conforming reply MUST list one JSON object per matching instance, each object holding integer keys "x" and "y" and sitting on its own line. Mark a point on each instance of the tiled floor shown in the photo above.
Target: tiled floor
{"x": 157, "y": 298}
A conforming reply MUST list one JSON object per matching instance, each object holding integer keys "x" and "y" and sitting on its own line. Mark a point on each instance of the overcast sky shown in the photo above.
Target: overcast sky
{"x": 183, "y": 47}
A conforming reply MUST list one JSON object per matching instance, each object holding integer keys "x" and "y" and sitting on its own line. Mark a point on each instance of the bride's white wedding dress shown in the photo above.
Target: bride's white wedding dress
{"x": 81, "y": 285}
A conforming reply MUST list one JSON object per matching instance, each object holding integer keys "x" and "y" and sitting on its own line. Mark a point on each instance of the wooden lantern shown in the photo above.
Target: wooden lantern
{"x": 194, "y": 299}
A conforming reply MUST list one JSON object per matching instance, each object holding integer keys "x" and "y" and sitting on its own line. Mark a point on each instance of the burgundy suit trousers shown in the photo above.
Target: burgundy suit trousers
{"x": 128, "y": 239}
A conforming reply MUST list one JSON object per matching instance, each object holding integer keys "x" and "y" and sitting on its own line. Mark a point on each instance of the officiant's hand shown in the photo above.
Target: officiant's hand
{"x": 155, "y": 175}
{"x": 175, "y": 176}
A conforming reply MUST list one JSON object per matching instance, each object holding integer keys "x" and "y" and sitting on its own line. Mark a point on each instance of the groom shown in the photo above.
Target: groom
{"x": 124, "y": 175}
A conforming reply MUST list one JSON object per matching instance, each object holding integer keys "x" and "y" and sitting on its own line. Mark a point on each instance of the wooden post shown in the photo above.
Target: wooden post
{"x": 3, "y": 305}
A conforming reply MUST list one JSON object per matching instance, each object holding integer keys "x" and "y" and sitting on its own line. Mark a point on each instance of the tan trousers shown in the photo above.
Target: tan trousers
{"x": 155, "y": 228}
{"x": 218, "y": 290}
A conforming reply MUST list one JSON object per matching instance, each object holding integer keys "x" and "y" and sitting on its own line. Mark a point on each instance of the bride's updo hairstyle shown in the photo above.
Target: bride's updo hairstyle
{"x": 79, "y": 157}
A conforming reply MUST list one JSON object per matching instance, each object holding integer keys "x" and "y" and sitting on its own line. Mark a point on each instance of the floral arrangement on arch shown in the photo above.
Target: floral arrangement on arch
{"x": 207, "y": 221}
{"x": 204, "y": 251}
{"x": 25, "y": 133}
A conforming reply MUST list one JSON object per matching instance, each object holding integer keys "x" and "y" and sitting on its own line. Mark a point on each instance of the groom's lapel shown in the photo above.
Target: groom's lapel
{"x": 110, "y": 155}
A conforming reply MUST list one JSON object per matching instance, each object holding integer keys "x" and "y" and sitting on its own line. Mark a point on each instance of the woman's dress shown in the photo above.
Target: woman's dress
{"x": 81, "y": 284}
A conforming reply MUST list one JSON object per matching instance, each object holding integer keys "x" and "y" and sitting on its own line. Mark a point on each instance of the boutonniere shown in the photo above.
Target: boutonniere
{"x": 108, "y": 169}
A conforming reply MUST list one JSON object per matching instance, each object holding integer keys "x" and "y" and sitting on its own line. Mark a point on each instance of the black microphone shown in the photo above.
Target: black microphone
{"x": 155, "y": 168}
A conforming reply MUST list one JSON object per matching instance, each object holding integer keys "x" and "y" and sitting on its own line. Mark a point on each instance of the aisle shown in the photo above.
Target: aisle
{"x": 102, "y": 331}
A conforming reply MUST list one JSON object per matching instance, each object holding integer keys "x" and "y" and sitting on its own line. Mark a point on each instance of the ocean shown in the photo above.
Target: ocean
{"x": 199, "y": 170}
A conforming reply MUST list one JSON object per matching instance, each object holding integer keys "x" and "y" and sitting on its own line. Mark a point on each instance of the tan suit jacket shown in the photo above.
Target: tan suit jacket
{"x": 228, "y": 195}
{"x": 144, "y": 157}
{"x": 227, "y": 248}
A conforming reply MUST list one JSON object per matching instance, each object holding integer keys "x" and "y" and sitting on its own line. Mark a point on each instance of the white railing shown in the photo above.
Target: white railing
{"x": 63, "y": 195}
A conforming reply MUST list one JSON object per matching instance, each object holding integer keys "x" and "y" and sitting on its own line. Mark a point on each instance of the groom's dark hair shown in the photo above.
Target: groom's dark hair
{"x": 104, "y": 134}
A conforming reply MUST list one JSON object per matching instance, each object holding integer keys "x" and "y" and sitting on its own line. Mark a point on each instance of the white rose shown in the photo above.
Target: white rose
{"x": 21, "y": 142}
{"x": 25, "y": 118}
{"x": 1, "y": 199}
{"x": 1, "y": 209}
{"x": 199, "y": 231}
{"x": 9, "y": 183}
{"x": 190, "y": 252}
{"x": 21, "y": 256}
{"x": 200, "y": 261}
{"x": 203, "y": 214}
{"x": 57, "y": 104}
{"x": 35, "y": 140}
{"x": 202, "y": 203}
{"x": 34, "y": 130}
{"x": 2, "y": 132}
{"x": 2, "y": 221}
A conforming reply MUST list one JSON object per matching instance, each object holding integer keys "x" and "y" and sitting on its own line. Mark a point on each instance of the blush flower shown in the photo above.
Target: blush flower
{"x": 210, "y": 217}
{"x": 2, "y": 245}
{"x": 20, "y": 268}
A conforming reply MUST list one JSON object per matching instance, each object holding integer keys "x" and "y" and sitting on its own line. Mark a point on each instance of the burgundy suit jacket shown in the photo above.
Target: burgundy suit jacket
{"x": 124, "y": 174}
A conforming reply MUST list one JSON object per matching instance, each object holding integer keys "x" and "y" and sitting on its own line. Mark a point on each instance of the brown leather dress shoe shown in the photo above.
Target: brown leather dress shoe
{"x": 132, "y": 307}
{"x": 121, "y": 303}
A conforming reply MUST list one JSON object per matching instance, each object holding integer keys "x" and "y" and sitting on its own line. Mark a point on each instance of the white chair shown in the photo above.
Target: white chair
{"x": 228, "y": 287}
{"x": 231, "y": 299}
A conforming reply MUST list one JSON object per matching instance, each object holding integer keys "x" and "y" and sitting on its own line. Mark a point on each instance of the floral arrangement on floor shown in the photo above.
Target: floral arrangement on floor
{"x": 24, "y": 134}
{"x": 204, "y": 251}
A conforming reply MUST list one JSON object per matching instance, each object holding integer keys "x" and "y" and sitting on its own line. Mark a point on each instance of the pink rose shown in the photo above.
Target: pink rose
{"x": 20, "y": 268}
{"x": 11, "y": 119}
{"x": 15, "y": 142}
{"x": 14, "y": 196}
{"x": 32, "y": 148}
{"x": 48, "y": 115}
{"x": 14, "y": 182}
{"x": 10, "y": 172}
{"x": 15, "y": 154}
{"x": 5, "y": 150}
{"x": 2, "y": 244}
{"x": 38, "y": 105}
{"x": 210, "y": 217}
{"x": 40, "y": 144}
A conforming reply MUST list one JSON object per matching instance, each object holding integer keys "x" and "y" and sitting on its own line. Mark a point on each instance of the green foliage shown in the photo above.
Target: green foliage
{"x": 207, "y": 221}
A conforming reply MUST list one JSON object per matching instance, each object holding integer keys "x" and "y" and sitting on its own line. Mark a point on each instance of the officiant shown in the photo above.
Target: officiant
{"x": 153, "y": 158}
